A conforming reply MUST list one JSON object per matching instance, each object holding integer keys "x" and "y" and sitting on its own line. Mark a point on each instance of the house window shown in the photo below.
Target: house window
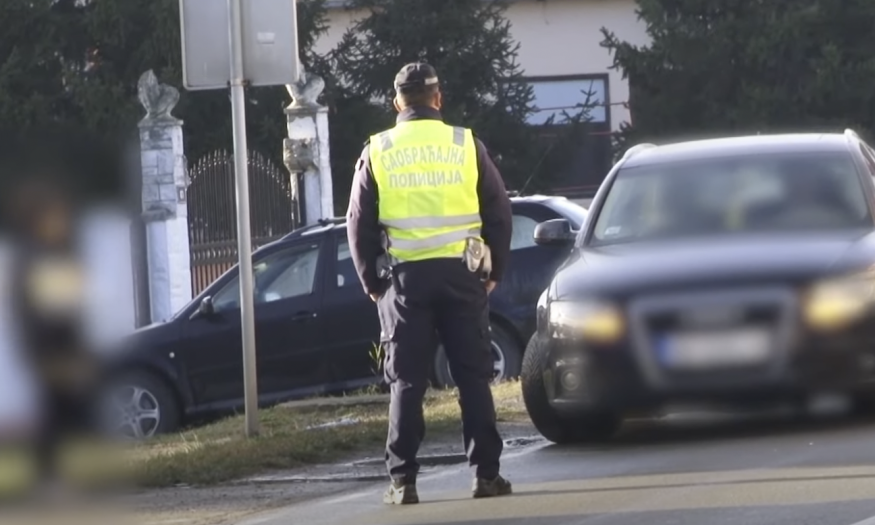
{"x": 555, "y": 95}
{"x": 576, "y": 173}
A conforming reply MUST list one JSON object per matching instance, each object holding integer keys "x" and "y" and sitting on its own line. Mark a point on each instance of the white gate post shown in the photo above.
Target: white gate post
{"x": 306, "y": 152}
{"x": 165, "y": 211}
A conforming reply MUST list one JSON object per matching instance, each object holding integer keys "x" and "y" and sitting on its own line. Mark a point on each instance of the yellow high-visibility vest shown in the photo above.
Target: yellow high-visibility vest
{"x": 426, "y": 175}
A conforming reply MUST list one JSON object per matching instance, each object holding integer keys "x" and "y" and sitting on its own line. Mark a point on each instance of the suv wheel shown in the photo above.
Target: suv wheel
{"x": 559, "y": 428}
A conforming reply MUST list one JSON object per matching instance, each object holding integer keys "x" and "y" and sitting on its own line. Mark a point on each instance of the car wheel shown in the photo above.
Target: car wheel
{"x": 506, "y": 359}
{"x": 137, "y": 406}
{"x": 558, "y": 428}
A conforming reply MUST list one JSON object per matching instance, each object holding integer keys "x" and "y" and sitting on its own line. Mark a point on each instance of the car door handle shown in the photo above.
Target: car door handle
{"x": 300, "y": 317}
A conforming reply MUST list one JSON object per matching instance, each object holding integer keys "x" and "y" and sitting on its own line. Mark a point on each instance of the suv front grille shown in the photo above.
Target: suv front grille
{"x": 654, "y": 317}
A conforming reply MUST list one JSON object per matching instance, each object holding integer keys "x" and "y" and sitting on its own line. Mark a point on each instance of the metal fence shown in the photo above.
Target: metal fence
{"x": 212, "y": 219}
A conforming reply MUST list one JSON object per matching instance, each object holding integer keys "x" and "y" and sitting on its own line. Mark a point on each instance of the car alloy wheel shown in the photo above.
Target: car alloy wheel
{"x": 499, "y": 365}
{"x": 133, "y": 412}
{"x": 506, "y": 359}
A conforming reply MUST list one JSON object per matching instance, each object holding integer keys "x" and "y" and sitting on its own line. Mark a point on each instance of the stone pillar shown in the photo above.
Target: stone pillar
{"x": 165, "y": 211}
{"x": 306, "y": 152}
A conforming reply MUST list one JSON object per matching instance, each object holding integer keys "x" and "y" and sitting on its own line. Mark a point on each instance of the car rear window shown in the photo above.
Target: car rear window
{"x": 758, "y": 193}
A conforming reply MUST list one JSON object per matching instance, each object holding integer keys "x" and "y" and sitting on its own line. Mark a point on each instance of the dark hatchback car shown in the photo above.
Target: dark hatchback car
{"x": 737, "y": 271}
{"x": 315, "y": 327}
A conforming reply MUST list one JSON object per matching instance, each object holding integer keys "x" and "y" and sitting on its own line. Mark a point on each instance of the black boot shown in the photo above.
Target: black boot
{"x": 490, "y": 488}
{"x": 401, "y": 493}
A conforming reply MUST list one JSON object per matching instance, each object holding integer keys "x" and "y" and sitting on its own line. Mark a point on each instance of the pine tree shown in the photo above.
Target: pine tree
{"x": 75, "y": 62}
{"x": 132, "y": 36}
{"x": 741, "y": 66}
{"x": 470, "y": 46}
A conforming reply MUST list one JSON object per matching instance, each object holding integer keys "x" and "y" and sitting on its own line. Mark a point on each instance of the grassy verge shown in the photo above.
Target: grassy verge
{"x": 219, "y": 452}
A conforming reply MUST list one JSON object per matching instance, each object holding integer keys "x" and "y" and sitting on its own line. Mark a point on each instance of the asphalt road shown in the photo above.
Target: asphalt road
{"x": 684, "y": 470}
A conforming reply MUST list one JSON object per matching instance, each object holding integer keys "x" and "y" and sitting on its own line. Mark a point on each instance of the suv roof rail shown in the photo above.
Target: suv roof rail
{"x": 636, "y": 149}
{"x": 851, "y": 134}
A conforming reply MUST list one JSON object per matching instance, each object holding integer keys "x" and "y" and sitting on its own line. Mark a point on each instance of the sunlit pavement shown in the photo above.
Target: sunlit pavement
{"x": 684, "y": 471}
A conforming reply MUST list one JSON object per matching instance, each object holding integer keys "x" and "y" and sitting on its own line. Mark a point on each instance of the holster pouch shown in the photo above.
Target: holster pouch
{"x": 384, "y": 266}
{"x": 478, "y": 257}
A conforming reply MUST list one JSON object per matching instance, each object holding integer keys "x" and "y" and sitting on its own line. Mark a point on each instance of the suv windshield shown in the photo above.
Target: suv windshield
{"x": 756, "y": 193}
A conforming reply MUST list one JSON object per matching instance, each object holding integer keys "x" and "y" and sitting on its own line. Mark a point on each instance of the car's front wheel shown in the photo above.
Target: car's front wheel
{"x": 138, "y": 405}
{"x": 506, "y": 357}
{"x": 589, "y": 426}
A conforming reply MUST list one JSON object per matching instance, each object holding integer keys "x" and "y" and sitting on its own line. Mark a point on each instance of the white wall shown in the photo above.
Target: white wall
{"x": 562, "y": 37}
{"x": 557, "y": 37}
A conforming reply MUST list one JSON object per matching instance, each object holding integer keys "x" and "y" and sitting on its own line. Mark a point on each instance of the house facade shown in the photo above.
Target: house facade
{"x": 562, "y": 58}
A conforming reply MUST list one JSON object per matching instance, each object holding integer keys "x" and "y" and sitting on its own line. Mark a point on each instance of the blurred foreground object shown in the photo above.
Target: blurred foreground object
{"x": 49, "y": 301}
{"x": 18, "y": 395}
{"x": 66, "y": 291}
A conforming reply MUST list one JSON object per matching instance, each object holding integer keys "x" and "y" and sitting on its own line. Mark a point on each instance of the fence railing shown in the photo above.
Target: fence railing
{"x": 212, "y": 211}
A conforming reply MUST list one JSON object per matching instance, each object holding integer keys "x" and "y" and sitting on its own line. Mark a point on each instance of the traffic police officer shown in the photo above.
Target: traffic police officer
{"x": 429, "y": 226}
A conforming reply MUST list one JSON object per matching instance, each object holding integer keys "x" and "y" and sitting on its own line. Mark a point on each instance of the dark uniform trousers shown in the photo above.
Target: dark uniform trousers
{"x": 431, "y": 301}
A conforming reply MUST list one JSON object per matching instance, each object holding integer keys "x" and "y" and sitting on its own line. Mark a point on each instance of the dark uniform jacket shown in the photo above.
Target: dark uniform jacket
{"x": 363, "y": 226}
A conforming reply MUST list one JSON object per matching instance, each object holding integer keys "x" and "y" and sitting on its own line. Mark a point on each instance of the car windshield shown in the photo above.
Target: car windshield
{"x": 755, "y": 193}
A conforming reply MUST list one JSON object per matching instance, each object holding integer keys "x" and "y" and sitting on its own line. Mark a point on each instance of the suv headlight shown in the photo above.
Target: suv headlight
{"x": 593, "y": 320}
{"x": 838, "y": 302}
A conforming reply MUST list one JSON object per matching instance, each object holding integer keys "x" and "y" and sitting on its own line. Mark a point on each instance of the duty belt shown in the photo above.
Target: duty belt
{"x": 477, "y": 257}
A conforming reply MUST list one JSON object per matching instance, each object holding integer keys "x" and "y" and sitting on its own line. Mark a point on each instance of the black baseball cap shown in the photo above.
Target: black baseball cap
{"x": 415, "y": 75}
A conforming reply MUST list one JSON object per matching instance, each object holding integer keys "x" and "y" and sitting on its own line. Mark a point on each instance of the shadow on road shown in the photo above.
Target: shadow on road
{"x": 847, "y": 513}
{"x": 636, "y": 434}
{"x": 700, "y": 483}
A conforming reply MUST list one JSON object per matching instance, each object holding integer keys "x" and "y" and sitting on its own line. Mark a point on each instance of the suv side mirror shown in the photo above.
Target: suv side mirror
{"x": 205, "y": 309}
{"x": 555, "y": 232}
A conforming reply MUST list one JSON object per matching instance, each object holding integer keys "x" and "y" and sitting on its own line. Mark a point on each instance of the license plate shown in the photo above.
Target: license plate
{"x": 715, "y": 349}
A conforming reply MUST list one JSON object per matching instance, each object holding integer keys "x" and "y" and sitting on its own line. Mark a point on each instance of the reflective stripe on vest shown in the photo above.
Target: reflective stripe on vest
{"x": 426, "y": 175}
{"x": 432, "y": 222}
{"x": 436, "y": 241}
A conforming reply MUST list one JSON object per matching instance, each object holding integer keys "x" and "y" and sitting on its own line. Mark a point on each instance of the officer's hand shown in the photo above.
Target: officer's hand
{"x": 490, "y": 285}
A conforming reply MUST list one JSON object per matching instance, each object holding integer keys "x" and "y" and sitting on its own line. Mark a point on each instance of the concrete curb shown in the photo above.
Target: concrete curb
{"x": 331, "y": 478}
{"x": 381, "y": 399}
{"x": 437, "y": 460}
{"x": 441, "y": 460}
{"x": 373, "y": 469}
{"x": 518, "y": 442}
